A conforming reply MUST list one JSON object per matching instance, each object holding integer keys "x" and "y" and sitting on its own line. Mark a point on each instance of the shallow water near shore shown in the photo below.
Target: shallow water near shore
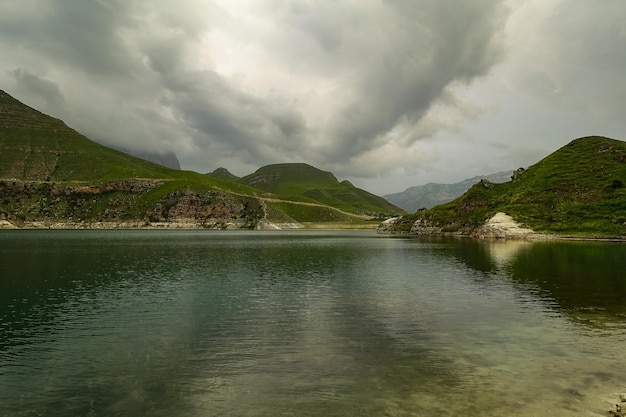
{"x": 307, "y": 323}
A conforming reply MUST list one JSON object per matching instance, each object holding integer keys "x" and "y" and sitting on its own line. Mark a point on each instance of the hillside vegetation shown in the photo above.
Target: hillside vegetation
{"x": 433, "y": 194}
{"x": 305, "y": 183}
{"x": 53, "y": 176}
{"x": 223, "y": 174}
{"x": 577, "y": 191}
{"x": 37, "y": 147}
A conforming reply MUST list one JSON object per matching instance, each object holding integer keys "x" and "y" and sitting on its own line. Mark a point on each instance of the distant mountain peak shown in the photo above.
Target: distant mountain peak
{"x": 272, "y": 177}
{"x": 433, "y": 194}
{"x": 577, "y": 191}
{"x": 223, "y": 174}
{"x": 309, "y": 184}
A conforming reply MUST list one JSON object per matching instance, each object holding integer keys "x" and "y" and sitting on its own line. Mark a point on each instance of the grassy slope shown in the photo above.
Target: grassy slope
{"x": 46, "y": 153}
{"x": 579, "y": 190}
{"x": 37, "y": 148}
{"x": 302, "y": 182}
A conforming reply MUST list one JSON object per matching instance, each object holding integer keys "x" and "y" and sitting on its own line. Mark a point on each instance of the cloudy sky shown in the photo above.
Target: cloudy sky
{"x": 385, "y": 93}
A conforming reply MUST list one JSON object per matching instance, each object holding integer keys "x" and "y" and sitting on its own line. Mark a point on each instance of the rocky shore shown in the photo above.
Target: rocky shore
{"x": 620, "y": 407}
{"x": 500, "y": 226}
{"x": 127, "y": 204}
{"x": 110, "y": 225}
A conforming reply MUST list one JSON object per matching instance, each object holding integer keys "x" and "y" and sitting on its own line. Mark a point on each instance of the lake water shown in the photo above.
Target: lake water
{"x": 194, "y": 323}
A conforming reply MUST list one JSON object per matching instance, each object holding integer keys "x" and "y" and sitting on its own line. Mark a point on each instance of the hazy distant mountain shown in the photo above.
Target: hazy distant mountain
{"x": 167, "y": 159}
{"x": 432, "y": 194}
{"x": 577, "y": 191}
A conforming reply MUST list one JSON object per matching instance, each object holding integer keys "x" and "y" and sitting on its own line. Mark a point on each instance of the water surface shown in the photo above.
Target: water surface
{"x": 193, "y": 323}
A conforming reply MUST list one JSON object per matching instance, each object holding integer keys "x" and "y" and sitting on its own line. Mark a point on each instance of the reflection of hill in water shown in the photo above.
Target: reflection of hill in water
{"x": 587, "y": 280}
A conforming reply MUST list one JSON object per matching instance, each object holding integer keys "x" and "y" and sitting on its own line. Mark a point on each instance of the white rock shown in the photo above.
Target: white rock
{"x": 501, "y": 225}
{"x": 5, "y": 224}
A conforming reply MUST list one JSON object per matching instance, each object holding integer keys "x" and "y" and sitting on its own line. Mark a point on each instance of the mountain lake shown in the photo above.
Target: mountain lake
{"x": 308, "y": 323}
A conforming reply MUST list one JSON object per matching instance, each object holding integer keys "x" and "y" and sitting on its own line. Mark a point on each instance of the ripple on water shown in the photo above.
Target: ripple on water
{"x": 317, "y": 324}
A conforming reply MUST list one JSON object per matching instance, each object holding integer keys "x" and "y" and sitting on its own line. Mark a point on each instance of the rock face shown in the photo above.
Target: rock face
{"x": 422, "y": 227}
{"x": 386, "y": 226}
{"x": 266, "y": 225}
{"x": 517, "y": 173}
{"x": 4, "y": 224}
{"x": 503, "y": 226}
{"x": 125, "y": 204}
{"x": 500, "y": 226}
{"x": 208, "y": 210}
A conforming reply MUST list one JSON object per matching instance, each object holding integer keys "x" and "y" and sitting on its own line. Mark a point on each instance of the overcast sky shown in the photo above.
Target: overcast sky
{"x": 385, "y": 93}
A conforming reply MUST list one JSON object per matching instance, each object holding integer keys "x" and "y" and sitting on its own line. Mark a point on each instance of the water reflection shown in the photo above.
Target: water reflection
{"x": 587, "y": 279}
{"x": 185, "y": 324}
{"x": 318, "y": 324}
{"x": 583, "y": 279}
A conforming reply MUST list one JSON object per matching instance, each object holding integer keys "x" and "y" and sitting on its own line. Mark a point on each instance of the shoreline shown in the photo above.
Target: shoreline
{"x": 499, "y": 227}
{"x": 182, "y": 225}
{"x": 499, "y": 230}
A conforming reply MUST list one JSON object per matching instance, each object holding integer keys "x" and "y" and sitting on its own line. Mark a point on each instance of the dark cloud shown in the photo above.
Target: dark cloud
{"x": 232, "y": 120}
{"x": 588, "y": 57}
{"x": 336, "y": 84}
{"x": 85, "y": 36}
{"x": 32, "y": 84}
{"x": 430, "y": 45}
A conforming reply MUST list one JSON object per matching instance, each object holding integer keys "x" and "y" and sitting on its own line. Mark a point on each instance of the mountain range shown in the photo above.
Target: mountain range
{"x": 578, "y": 191}
{"x": 433, "y": 194}
{"x": 52, "y": 176}
{"x": 167, "y": 159}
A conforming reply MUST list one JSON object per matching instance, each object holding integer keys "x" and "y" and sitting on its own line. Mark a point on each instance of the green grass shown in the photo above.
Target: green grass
{"x": 302, "y": 182}
{"x": 576, "y": 191}
{"x": 40, "y": 150}
{"x": 302, "y": 213}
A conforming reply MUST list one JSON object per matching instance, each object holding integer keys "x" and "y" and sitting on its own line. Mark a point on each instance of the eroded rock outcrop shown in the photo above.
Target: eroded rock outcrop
{"x": 502, "y": 226}
{"x": 209, "y": 210}
{"x": 124, "y": 204}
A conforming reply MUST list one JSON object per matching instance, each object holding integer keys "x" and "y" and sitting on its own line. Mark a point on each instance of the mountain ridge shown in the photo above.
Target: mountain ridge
{"x": 223, "y": 174}
{"x": 433, "y": 194}
{"x": 577, "y": 191}
{"x": 52, "y": 176}
{"x": 306, "y": 183}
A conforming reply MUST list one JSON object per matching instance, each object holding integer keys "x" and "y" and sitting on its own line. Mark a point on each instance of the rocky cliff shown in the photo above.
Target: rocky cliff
{"x": 127, "y": 203}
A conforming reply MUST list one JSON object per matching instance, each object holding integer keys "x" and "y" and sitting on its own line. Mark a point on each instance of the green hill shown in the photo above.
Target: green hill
{"x": 223, "y": 174}
{"x": 305, "y": 183}
{"x": 577, "y": 191}
{"x": 52, "y": 176}
{"x": 432, "y": 194}
{"x": 38, "y": 147}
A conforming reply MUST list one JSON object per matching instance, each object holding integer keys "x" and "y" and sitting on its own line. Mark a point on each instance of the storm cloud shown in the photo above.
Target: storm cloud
{"x": 388, "y": 94}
